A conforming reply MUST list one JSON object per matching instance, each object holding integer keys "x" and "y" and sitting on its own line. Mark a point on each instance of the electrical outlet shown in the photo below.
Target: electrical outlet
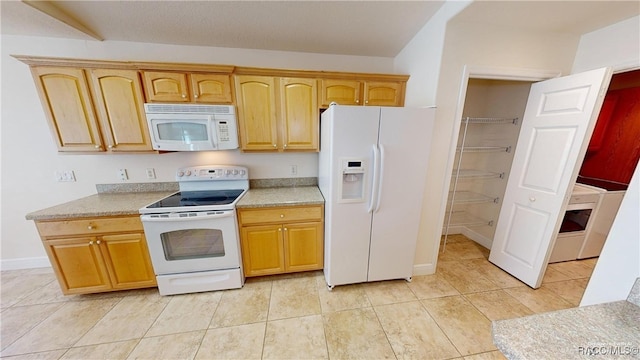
{"x": 293, "y": 170}
{"x": 65, "y": 176}
{"x": 122, "y": 174}
{"x": 151, "y": 174}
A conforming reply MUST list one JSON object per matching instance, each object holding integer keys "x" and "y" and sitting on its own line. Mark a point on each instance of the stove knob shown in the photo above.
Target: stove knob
{"x": 188, "y": 172}
{"x": 235, "y": 172}
{"x": 242, "y": 172}
{"x": 180, "y": 173}
{"x": 227, "y": 172}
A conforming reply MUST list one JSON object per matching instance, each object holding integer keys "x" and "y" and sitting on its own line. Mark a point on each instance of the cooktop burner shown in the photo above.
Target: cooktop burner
{"x": 198, "y": 198}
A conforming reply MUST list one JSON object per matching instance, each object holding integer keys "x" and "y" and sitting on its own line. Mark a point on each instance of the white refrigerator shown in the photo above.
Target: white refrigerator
{"x": 372, "y": 171}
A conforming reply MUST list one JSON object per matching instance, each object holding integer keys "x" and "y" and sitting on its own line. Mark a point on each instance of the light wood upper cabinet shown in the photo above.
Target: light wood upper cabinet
{"x": 299, "y": 113}
{"x": 256, "y": 101}
{"x": 105, "y": 114}
{"x": 184, "y": 87}
{"x": 277, "y": 114}
{"x": 211, "y": 88}
{"x": 166, "y": 87}
{"x": 98, "y": 254}
{"x": 367, "y": 93}
{"x": 281, "y": 239}
{"x": 67, "y": 104}
{"x": 120, "y": 105}
{"x": 343, "y": 92}
{"x": 383, "y": 93}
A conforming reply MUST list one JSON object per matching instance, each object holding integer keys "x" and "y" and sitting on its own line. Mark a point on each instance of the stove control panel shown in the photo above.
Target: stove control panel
{"x": 212, "y": 172}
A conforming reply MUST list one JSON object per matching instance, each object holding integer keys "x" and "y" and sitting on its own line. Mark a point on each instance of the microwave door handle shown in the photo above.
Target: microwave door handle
{"x": 213, "y": 124}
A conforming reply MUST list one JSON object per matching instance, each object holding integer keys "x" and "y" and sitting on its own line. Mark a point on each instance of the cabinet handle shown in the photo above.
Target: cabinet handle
{"x": 357, "y": 101}
{"x": 366, "y": 101}
{"x": 195, "y": 96}
{"x": 275, "y": 145}
{"x": 184, "y": 96}
{"x": 97, "y": 146}
{"x": 91, "y": 242}
{"x": 532, "y": 199}
{"x": 285, "y": 146}
{"x": 110, "y": 146}
{"x": 281, "y": 215}
{"x": 98, "y": 242}
{"x": 285, "y": 229}
{"x": 279, "y": 229}
{"x": 90, "y": 227}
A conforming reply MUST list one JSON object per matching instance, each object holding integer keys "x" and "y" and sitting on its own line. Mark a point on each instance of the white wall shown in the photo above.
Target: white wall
{"x": 422, "y": 55}
{"x": 479, "y": 45}
{"x": 617, "y": 45}
{"x": 29, "y": 156}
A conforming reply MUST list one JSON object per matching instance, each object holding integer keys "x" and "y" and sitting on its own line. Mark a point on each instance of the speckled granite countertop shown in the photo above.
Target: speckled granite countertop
{"x": 611, "y": 330}
{"x": 101, "y": 204}
{"x": 282, "y": 196}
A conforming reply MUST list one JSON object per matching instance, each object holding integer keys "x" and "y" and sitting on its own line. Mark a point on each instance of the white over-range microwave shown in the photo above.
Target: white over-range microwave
{"x": 192, "y": 127}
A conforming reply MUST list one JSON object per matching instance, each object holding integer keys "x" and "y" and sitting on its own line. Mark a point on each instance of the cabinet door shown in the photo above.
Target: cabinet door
{"x": 120, "y": 105}
{"x": 262, "y": 250}
{"x": 66, "y": 101}
{"x": 303, "y": 246}
{"x": 127, "y": 259}
{"x": 343, "y": 92}
{"x": 383, "y": 94}
{"x": 166, "y": 86}
{"x": 78, "y": 265}
{"x": 256, "y": 100}
{"x": 299, "y": 113}
{"x": 211, "y": 88}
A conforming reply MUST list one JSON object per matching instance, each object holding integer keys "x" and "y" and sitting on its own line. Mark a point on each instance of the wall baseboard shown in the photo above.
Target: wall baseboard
{"x": 24, "y": 263}
{"x": 423, "y": 269}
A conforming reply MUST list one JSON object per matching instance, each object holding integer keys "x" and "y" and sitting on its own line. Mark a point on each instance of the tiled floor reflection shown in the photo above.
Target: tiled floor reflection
{"x": 442, "y": 316}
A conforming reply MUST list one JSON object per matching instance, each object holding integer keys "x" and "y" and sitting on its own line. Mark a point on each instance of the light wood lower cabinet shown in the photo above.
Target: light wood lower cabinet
{"x": 281, "y": 240}
{"x": 98, "y": 254}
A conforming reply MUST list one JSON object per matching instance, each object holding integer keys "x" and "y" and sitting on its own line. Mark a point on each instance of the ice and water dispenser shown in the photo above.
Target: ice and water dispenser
{"x": 352, "y": 185}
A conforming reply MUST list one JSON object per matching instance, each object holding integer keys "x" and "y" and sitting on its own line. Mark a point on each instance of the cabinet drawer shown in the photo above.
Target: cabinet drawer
{"x": 280, "y": 214}
{"x": 88, "y": 226}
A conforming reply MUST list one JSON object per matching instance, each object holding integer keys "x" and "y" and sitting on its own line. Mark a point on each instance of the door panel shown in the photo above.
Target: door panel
{"x": 405, "y": 140}
{"x": 558, "y": 121}
{"x": 548, "y": 150}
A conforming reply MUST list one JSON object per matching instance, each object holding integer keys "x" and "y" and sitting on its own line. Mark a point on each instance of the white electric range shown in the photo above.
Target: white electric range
{"x": 192, "y": 235}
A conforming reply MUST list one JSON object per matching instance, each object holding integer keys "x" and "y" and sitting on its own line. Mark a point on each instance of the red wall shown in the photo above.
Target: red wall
{"x": 614, "y": 148}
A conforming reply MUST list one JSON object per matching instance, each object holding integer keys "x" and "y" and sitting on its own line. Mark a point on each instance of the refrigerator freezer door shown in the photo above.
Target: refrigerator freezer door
{"x": 404, "y": 142}
{"x": 347, "y": 132}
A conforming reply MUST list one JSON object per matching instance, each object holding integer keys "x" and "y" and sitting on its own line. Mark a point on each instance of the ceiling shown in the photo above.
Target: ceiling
{"x": 367, "y": 28}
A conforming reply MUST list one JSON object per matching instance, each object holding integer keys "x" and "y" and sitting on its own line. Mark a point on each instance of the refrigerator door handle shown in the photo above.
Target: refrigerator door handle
{"x": 380, "y": 178}
{"x": 374, "y": 187}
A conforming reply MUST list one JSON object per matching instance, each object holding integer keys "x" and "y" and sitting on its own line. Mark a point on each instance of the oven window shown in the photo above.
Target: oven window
{"x": 192, "y": 244}
{"x": 575, "y": 220}
{"x": 183, "y": 131}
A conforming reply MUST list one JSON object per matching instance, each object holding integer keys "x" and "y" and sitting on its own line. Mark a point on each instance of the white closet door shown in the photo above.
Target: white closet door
{"x": 557, "y": 124}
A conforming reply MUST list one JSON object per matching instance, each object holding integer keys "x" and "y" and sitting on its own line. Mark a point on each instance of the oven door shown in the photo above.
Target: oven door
{"x": 192, "y": 241}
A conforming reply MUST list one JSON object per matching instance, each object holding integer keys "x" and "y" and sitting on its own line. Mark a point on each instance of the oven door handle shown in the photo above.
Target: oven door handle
{"x": 216, "y": 215}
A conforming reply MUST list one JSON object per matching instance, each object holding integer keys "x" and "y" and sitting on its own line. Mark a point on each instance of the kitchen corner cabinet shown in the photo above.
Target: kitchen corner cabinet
{"x": 281, "y": 239}
{"x": 187, "y": 87}
{"x": 115, "y": 123}
{"x": 277, "y": 114}
{"x": 368, "y": 93}
{"x": 98, "y": 254}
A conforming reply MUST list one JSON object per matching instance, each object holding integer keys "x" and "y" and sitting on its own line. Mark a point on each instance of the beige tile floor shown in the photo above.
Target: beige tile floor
{"x": 442, "y": 316}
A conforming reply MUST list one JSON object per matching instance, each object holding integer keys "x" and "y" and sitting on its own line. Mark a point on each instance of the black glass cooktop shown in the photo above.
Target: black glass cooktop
{"x": 198, "y": 198}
